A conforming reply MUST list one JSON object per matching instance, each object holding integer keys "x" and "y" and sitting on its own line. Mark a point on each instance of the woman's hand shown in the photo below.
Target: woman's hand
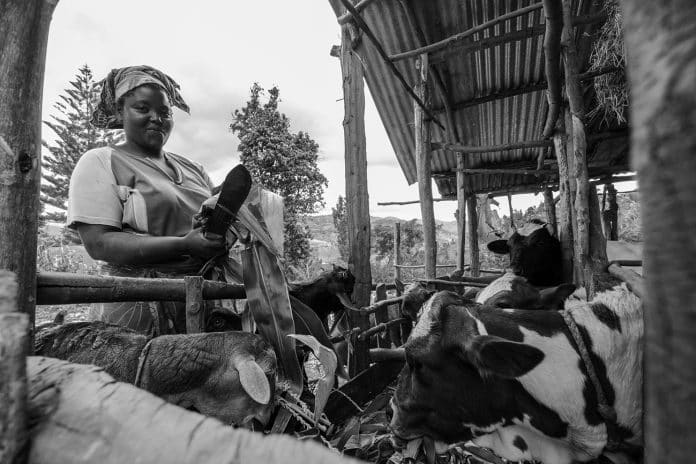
{"x": 201, "y": 245}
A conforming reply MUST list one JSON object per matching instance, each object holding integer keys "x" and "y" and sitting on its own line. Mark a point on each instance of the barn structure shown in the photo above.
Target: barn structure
{"x": 474, "y": 95}
{"x": 481, "y": 96}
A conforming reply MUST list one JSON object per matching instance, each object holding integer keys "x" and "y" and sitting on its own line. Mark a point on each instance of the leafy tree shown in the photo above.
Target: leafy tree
{"x": 283, "y": 162}
{"x": 74, "y": 136}
{"x": 340, "y": 220}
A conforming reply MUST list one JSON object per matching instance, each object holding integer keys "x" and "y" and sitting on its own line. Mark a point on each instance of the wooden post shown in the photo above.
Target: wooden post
{"x": 357, "y": 199}
{"x": 14, "y": 328}
{"x": 461, "y": 215}
{"x": 660, "y": 42}
{"x": 195, "y": 309}
{"x": 612, "y": 214}
{"x": 512, "y": 212}
{"x": 397, "y": 252}
{"x": 425, "y": 190}
{"x": 382, "y": 315}
{"x": 598, "y": 242}
{"x": 474, "y": 261}
{"x": 550, "y": 208}
{"x": 24, "y": 28}
{"x": 565, "y": 208}
{"x": 576, "y": 131}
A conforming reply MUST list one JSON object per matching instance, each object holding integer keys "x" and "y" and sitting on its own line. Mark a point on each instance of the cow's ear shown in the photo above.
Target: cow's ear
{"x": 399, "y": 285}
{"x": 498, "y": 357}
{"x": 499, "y": 247}
{"x": 554, "y": 297}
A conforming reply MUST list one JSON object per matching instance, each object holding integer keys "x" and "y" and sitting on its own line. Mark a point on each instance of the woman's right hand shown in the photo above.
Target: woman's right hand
{"x": 204, "y": 246}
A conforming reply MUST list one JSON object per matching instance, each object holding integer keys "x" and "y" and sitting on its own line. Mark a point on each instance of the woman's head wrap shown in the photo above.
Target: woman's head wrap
{"x": 120, "y": 81}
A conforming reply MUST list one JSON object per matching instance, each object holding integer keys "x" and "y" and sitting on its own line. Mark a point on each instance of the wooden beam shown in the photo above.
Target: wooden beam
{"x": 195, "y": 308}
{"x": 474, "y": 261}
{"x": 457, "y": 46}
{"x": 490, "y": 148}
{"x": 55, "y": 288}
{"x": 357, "y": 200}
{"x": 634, "y": 281}
{"x": 506, "y": 93}
{"x": 24, "y": 26}
{"x": 521, "y": 172}
{"x": 14, "y": 348}
{"x": 348, "y": 17}
{"x": 550, "y": 209}
{"x": 552, "y": 53}
{"x": 450, "y": 41}
{"x": 411, "y": 202}
{"x": 461, "y": 215}
{"x": 422, "y": 141}
{"x": 565, "y": 209}
{"x": 380, "y": 50}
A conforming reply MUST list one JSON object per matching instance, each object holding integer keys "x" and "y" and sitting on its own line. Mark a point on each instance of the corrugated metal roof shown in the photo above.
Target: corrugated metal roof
{"x": 471, "y": 73}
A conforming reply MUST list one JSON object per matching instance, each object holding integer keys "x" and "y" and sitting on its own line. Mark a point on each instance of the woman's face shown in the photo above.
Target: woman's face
{"x": 147, "y": 118}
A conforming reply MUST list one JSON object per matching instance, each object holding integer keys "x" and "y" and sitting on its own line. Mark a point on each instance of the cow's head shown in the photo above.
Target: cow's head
{"x": 415, "y": 295}
{"x": 513, "y": 291}
{"x": 536, "y": 256}
{"x": 458, "y": 383}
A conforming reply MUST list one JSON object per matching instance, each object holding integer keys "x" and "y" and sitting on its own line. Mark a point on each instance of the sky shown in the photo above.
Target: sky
{"x": 216, "y": 50}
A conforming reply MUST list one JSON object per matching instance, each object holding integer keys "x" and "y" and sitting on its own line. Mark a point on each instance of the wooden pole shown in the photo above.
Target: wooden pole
{"x": 550, "y": 209}
{"x": 382, "y": 316}
{"x": 464, "y": 149}
{"x": 565, "y": 208}
{"x": 660, "y": 41}
{"x": 195, "y": 309}
{"x": 576, "y": 130}
{"x": 357, "y": 199}
{"x": 424, "y": 172}
{"x": 397, "y": 251}
{"x": 552, "y": 52}
{"x": 474, "y": 262}
{"x": 24, "y": 28}
{"x": 613, "y": 213}
{"x": 461, "y": 216}
{"x": 14, "y": 330}
{"x": 598, "y": 241}
{"x": 512, "y": 212}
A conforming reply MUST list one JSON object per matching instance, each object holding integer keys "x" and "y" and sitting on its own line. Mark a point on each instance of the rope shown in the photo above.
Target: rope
{"x": 141, "y": 363}
{"x": 606, "y": 411}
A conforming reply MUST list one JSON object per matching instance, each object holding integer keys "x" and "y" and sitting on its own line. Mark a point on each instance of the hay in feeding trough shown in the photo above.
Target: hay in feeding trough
{"x": 609, "y": 50}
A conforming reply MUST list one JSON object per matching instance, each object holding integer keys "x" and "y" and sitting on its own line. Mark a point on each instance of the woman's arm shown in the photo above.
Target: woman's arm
{"x": 115, "y": 246}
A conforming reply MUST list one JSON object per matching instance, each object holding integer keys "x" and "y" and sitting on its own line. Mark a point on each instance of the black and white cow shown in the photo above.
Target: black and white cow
{"x": 535, "y": 256}
{"x": 513, "y": 381}
{"x": 514, "y": 291}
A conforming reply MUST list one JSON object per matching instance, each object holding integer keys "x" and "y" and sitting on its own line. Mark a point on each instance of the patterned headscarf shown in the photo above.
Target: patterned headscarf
{"x": 120, "y": 81}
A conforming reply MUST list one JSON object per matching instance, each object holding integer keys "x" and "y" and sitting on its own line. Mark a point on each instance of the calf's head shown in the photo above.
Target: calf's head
{"x": 536, "y": 256}
{"x": 457, "y": 383}
{"x": 513, "y": 291}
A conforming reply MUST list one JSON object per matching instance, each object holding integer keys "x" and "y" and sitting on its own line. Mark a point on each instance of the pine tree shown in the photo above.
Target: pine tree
{"x": 74, "y": 136}
{"x": 283, "y": 162}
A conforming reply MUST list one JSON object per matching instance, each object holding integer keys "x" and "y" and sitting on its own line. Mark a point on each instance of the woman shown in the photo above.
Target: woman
{"x": 133, "y": 203}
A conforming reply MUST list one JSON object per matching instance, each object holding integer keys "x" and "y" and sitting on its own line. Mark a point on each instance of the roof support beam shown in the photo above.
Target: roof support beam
{"x": 454, "y": 43}
{"x": 490, "y": 148}
{"x": 346, "y": 18}
{"x": 380, "y": 50}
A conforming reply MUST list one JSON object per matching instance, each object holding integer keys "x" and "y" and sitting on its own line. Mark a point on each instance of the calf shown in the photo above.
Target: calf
{"x": 513, "y": 381}
{"x": 513, "y": 291}
{"x": 229, "y": 376}
{"x": 536, "y": 256}
{"x": 327, "y": 294}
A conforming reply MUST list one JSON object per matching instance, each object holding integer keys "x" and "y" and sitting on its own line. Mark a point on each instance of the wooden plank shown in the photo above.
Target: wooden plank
{"x": 464, "y": 149}
{"x": 357, "y": 200}
{"x": 424, "y": 170}
{"x": 397, "y": 250}
{"x": 82, "y": 416}
{"x": 474, "y": 261}
{"x": 24, "y": 26}
{"x": 411, "y": 202}
{"x": 14, "y": 347}
{"x": 67, "y": 288}
{"x": 361, "y": 389}
{"x": 195, "y": 309}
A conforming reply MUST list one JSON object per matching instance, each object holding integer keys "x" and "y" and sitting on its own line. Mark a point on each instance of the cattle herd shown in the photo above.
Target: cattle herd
{"x": 522, "y": 368}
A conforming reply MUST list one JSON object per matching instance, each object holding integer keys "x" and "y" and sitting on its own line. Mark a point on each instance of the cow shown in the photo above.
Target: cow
{"x": 227, "y": 375}
{"x": 513, "y": 380}
{"x": 536, "y": 256}
{"x": 514, "y": 291}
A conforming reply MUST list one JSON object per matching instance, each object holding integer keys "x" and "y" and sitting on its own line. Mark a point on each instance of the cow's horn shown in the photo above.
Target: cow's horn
{"x": 253, "y": 380}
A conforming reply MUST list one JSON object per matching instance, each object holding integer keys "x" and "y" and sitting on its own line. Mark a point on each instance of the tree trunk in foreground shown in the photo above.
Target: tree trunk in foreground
{"x": 661, "y": 47}
{"x": 81, "y": 415}
{"x": 23, "y": 39}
